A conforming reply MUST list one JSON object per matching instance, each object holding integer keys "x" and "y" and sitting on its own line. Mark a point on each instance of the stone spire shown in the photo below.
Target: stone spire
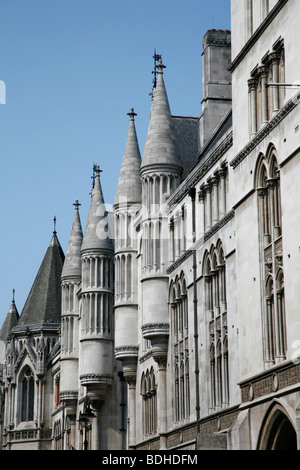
{"x": 10, "y": 321}
{"x": 72, "y": 264}
{"x": 96, "y": 234}
{"x": 129, "y": 189}
{"x": 161, "y": 148}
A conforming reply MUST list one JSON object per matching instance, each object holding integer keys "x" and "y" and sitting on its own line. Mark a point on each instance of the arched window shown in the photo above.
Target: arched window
{"x": 148, "y": 391}
{"x": 214, "y": 273}
{"x": 27, "y": 395}
{"x": 270, "y": 228}
{"x": 179, "y": 318}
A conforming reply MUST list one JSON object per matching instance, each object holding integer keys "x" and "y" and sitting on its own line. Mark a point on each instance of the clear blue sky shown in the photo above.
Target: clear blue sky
{"x": 72, "y": 70}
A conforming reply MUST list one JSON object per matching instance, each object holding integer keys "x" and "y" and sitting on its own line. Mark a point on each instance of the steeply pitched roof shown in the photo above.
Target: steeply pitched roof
{"x": 129, "y": 189}
{"x": 10, "y": 321}
{"x": 72, "y": 263}
{"x": 43, "y": 304}
{"x": 186, "y": 131}
{"x": 97, "y": 234}
{"x": 161, "y": 148}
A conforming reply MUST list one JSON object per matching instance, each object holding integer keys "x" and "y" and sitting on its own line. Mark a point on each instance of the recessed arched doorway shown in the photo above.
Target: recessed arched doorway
{"x": 278, "y": 432}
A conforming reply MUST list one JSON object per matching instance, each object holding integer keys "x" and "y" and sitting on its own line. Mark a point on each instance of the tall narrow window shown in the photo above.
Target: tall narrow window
{"x": 148, "y": 388}
{"x": 27, "y": 390}
{"x": 179, "y": 316}
{"x": 270, "y": 226}
{"x": 216, "y": 313}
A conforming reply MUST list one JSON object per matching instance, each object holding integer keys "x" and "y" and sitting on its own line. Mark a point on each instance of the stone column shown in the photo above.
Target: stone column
{"x": 275, "y": 58}
{"x": 252, "y": 86}
{"x": 263, "y": 71}
{"x": 161, "y": 359}
{"x": 222, "y": 198}
{"x": 201, "y": 218}
{"x": 264, "y": 9}
{"x": 208, "y": 206}
{"x": 131, "y": 380}
{"x": 215, "y": 182}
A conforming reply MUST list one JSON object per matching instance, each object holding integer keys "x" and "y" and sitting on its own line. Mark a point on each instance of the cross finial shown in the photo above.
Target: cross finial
{"x": 160, "y": 66}
{"x": 97, "y": 170}
{"x": 76, "y": 204}
{"x": 131, "y": 114}
{"x": 54, "y": 223}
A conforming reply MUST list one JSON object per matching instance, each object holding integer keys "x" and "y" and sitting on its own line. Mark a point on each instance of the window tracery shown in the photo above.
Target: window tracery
{"x": 270, "y": 226}
{"x": 148, "y": 391}
{"x": 216, "y": 311}
{"x": 179, "y": 318}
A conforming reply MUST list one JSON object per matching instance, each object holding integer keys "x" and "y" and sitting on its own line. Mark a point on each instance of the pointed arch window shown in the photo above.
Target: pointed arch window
{"x": 179, "y": 318}
{"x": 148, "y": 389}
{"x": 27, "y": 395}
{"x": 270, "y": 228}
{"x": 216, "y": 312}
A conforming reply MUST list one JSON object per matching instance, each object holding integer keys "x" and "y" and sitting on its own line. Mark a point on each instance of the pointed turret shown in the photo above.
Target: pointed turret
{"x": 96, "y": 294}
{"x": 96, "y": 234}
{"x": 161, "y": 148}
{"x": 70, "y": 280}
{"x": 129, "y": 189}
{"x": 72, "y": 264}
{"x": 43, "y": 304}
{"x": 10, "y": 321}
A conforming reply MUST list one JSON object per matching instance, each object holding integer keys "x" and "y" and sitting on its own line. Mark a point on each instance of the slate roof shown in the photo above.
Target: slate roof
{"x": 10, "y": 322}
{"x": 186, "y": 132}
{"x": 43, "y": 304}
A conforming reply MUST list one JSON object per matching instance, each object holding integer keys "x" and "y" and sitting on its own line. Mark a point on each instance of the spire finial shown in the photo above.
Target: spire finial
{"x": 13, "y": 299}
{"x": 160, "y": 66}
{"x": 76, "y": 204}
{"x": 54, "y": 223}
{"x": 96, "y": 172}
{"x": 131, "y": 114}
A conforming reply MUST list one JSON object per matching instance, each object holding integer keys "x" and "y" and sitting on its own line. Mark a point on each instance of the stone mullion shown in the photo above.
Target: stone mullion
{"x": 269, "y": 330}
{"x": 281, "y": 322}
{"x": 271, "y": 185}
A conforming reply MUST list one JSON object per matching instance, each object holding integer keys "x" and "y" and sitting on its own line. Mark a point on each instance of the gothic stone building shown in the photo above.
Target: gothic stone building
{"x": 173, "y": 322}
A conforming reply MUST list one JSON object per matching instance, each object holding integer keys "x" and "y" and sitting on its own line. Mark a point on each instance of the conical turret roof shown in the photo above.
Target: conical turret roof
{"x": 97, "y": 235}
{"x": 161, "y": 147}
{"x": 72, "y": 264}
{"x": 43, "y": 304}
{"x": 129, "y": 189}
{"x": 10, "y": 321}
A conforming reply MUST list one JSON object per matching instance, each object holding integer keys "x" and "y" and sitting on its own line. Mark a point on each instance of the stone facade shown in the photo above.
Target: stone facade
{"x": 178, "y": 326}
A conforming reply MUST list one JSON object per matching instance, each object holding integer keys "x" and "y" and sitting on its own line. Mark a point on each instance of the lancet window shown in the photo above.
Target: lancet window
{"x": 179, "y": 318}
{"x": 148, "y": 391}
{"x": 214, "y": 271}
{"x": 27, "y": 395}
{"x": 270, "y": 228}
